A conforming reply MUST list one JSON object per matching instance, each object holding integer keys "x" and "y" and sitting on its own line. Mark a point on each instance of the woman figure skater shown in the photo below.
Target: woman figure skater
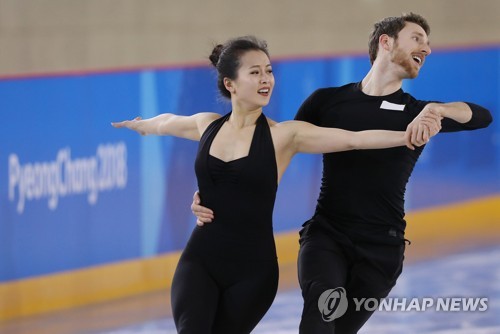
{"x": 227, "y": 276}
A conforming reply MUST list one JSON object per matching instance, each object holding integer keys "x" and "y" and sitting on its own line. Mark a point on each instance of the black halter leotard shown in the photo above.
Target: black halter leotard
{"x": 227, "y": 276}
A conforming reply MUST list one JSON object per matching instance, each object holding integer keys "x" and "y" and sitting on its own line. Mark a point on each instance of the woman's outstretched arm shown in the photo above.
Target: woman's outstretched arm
{"x": 188, "y": 127}
{"x": 308, "y": 138}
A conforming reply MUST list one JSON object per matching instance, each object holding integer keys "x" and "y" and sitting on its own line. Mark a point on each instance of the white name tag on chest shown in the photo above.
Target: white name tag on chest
{"x": 392, "y": 106}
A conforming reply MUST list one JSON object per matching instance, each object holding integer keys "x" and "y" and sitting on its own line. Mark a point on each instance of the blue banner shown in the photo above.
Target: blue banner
{"x": 75, "y": 192}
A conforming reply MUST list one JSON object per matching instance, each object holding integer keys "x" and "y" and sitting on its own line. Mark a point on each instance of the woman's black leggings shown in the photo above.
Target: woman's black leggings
{"x": 211, "y": 295}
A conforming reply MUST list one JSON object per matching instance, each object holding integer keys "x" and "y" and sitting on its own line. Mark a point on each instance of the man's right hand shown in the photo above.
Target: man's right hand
{"x": 203, "y": 215}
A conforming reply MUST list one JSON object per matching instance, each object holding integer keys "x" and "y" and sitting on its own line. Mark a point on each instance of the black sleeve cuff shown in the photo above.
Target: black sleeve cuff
{"x": 481, "y": 117}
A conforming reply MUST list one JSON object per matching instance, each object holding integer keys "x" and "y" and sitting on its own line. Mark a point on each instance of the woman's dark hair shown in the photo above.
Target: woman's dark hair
{"x": 226, "y": 58}
{"x": 391, "y": 26}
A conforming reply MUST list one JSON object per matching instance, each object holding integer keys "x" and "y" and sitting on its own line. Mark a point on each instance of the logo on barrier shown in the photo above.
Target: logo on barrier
{"x": 332, "y": 304}
{"x": 67, "y": 176}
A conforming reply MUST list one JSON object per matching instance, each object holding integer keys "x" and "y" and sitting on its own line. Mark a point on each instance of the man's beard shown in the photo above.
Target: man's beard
{"x": 400, "y": 58}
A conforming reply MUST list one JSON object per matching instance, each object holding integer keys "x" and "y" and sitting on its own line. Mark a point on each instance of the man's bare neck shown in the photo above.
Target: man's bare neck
{"x": 379, "y": 82}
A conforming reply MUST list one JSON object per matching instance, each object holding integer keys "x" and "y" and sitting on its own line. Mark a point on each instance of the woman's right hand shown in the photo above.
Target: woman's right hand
{"x": 132, "y": 125}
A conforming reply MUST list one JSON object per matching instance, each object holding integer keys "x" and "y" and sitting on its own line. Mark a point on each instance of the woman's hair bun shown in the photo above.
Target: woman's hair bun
{"x": 216, "y": 52}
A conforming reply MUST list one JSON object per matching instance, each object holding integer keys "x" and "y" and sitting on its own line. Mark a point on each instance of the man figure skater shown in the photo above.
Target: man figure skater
{"x": 355, "y": 239}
